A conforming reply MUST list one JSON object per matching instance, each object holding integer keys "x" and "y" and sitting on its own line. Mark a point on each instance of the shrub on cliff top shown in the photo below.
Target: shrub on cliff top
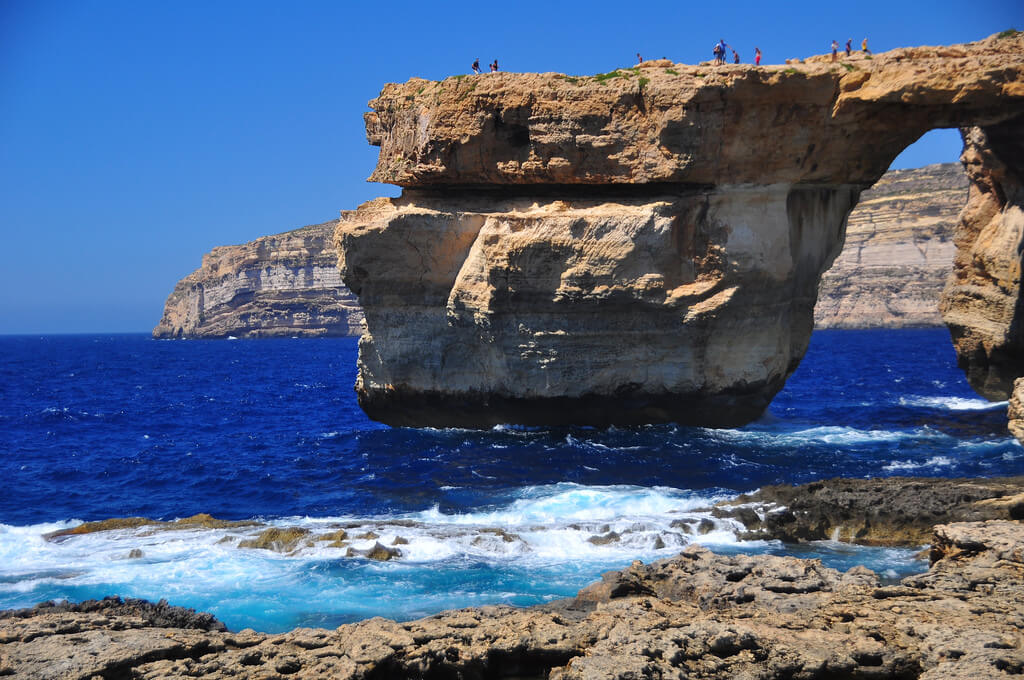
{"x": 1008, "y": 33}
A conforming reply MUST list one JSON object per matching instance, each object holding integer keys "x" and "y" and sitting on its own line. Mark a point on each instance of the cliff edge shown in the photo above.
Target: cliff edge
{"x": 639, "y": 246}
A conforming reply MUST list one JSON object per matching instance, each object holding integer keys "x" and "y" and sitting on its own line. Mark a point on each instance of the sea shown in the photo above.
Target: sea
{"x": 268, "y": 433}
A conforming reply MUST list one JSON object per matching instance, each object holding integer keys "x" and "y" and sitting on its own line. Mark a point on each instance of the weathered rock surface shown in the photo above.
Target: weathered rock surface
{"x": 637, "y": 247}
{"x": 698, "y": 615}
{"x": 1015, "y": 411}
{"x": 898, "y": 254}
{"x": 887, "y": 511}
{"x": 982, "y": 302}
{"x": 280, "y": 285}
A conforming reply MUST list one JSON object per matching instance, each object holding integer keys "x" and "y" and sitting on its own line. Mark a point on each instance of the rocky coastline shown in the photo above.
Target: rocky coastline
{"x": 697, "y": 615}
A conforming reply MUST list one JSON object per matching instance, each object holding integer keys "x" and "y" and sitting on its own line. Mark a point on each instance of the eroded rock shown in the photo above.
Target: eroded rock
{"x": 610, "y": 251}
{"x": 697, "y": 615}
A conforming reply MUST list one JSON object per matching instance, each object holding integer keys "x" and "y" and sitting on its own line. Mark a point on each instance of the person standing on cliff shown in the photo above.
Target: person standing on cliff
{"x": 864, "y": 46}
{"x": 835, "y": 51}
{"x": 494, "y": 66}
{"x": 476, "y": 65}
{"x": 757, "y": 56}
{"x": 735, "y": 57}
{"x": 639, "y": 59}
{"x": 848, "y": 41}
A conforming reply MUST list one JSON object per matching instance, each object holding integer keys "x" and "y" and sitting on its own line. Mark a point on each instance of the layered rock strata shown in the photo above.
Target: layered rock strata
{"x": 898, "y": 254}
{"x": 634, "y": 247}
{"x": 283, "y": 285}
{"x": 982, "y": 302}
{"x": 698, "y": 615}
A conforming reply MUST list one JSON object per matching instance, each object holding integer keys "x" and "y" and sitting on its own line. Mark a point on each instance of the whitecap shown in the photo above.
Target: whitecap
{"x": 953, "y": 403}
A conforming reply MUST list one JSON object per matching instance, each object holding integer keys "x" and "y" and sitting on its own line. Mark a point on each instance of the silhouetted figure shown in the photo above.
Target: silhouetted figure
{"x": 494, "y": 66}
{"x": 848, "y": 41}
{"x": 757, "y": 56}
{"x": 835, "y": 51}
{"x": 476, "y": 65}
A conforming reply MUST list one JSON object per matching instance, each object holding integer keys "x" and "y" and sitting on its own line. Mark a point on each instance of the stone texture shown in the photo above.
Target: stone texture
{"x": 284, "y": 285}
{"x": 643, "y": 246}
{"x": 982, "y": 300}
{"x": 888, "y": 511}
{"x": 1015, "y": 412}
{"x": 697, "y": 615}
{"x": 898, "y": 254}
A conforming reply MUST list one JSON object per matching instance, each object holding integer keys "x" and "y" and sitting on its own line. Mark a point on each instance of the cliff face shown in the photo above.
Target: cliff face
{"x": 635, "y": 247}
{"x": 899, "y": 252}
{"x": 982, "y": 301}
{"x": 280, "y": 285}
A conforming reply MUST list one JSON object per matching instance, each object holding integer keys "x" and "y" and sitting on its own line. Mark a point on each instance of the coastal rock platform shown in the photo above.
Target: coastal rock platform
{"x": 697, "y": 615}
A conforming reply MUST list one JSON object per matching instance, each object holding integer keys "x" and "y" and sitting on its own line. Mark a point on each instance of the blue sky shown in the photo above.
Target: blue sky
{"x": 135, "y": 136}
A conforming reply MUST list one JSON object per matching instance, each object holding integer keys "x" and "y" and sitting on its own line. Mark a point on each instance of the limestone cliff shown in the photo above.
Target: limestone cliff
{"x": 280, "y": 285}
{"x": 899, "y": 252}
{"x": 639, "y": 246}
{"x": 982, "y": 302}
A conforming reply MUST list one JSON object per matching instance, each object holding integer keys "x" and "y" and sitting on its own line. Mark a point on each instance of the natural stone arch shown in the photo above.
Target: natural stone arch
{"x": 652, "y": 251}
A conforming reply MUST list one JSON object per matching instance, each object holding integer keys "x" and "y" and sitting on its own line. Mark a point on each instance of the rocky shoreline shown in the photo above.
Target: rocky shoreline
{"x": 697, "y": 615}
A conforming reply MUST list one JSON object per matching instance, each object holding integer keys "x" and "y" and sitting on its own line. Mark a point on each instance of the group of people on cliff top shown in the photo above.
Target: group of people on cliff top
{"x": 721, "y": 47}
{"x": 835, "y": 48}
{"x": 476, "y": 65}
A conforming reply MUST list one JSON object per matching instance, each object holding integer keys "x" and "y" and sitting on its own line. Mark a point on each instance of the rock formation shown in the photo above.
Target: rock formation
{"x": 889, "y": 511}
{"x": 280, "y": 285}
{"x": 639, "y": 246}
{"x": 697, "y": 615}
{"x": 899, "y": 252}
{"x": 982, "y": 301}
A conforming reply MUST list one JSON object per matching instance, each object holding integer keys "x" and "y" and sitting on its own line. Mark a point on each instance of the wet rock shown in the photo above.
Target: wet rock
{"x": 605, "y": 539}
{"x": 278, "y": 540}
{"x": 378, "y": 552}
{"x": 886, "y": 511}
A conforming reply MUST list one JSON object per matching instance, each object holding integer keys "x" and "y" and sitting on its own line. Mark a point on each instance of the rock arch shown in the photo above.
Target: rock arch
{"x": 652, "y": 250}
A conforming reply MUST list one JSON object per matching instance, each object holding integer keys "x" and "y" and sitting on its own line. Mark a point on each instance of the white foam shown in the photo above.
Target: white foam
{"x": 933, "y": 462}
{"x": 832, "y": 434}
{"x": 953, "y": 403}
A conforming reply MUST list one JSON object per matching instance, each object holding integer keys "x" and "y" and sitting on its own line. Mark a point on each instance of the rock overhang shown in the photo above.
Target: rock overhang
{"x": 531, "y": 271}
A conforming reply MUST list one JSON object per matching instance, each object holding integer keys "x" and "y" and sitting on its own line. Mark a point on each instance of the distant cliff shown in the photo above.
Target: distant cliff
{"x": 899, "y": 252}
{"x": 280, "y": 285}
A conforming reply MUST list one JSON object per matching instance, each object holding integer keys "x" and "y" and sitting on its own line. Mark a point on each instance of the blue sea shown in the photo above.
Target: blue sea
{"x": 97, "y": 427}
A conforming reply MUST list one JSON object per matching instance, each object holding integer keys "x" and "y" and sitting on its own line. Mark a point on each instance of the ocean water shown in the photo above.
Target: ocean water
{"x": 97, "y": 427}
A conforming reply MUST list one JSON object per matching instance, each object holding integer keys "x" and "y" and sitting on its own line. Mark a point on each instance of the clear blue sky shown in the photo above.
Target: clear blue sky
{"x": 136, "y": 135}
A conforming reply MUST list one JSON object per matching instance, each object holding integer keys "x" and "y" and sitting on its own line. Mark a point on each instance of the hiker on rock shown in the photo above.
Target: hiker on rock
{"x": 757, "y": 56}
{"x": 476, "y": 65}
